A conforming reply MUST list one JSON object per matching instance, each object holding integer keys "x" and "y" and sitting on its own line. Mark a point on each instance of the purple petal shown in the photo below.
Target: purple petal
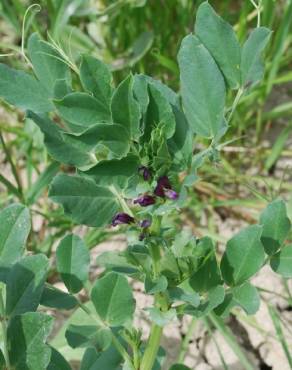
{"x": 122, "y": 218}
{"x": 145, "y": 223}
{"x": 145, "y": 172}
{"x": 164, "y": 182}
{"x": 145, "y": 200}
{"x": 171, "y": 194}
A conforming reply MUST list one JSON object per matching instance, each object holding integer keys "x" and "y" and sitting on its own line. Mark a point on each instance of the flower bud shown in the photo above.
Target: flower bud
{"x": 122, "y": 218}
{"x": 145, "y": 172}
{"x": 145, "y": 200}
{"x": 145, "y": 223}
{"x": 171, "y": 194}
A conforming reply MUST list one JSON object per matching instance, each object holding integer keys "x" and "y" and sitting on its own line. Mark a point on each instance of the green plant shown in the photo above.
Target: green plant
{"x": 127, "y": 156}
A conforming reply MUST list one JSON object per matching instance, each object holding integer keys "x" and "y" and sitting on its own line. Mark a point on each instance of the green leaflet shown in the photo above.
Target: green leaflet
{"x": 82, "y": 110}
{"x": 276, "y": 226}
{"x": 88, "y": 336}
{"x": 62, "y": 150}
{"x": 93, "y": 360}
{"x": 73, "y": 262}
{"x": 159, "y": 114}
{"x": 113, "y": 136}
{"x": 220, "y": 39}
{"x": 244, "y": 256}
{"x": 57, "y": 361}
{"x": 281, "y": 262}
{"x": 202, "y": 88}
{"x": 23, "y": 90}
{"x": 47, "y": 63}
{"x": 84, "y": 201}
{"x": 251, "y": 67}
{"x": 113, "y": 299}
{"x": 14, "y": 230}
{"x": 25, "y": 284}
{"x": 214, "y": 298}
{"x": 27, "y": 335}
{"x": 245, "y": 296}
{"x": 56, "y": 298}
{"x": 125, "y": 108}
{"x": 207, "y": 276}
{"x": 96, "y": 78}
{"x": 123, "y": 169}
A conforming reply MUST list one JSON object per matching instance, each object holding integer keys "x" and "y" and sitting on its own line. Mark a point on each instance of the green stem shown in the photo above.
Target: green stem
{"x": 235, "y": 103}
{"x": 4, "y": 331}
{"x": 121, "y": 200}
{"x": 152, "y": 348}
{"x": 13, "y": 168}
{"x": 186, "y": 341}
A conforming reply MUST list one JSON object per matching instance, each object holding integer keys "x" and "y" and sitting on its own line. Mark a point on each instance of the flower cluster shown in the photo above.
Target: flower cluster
{"x": 163, "y": 189}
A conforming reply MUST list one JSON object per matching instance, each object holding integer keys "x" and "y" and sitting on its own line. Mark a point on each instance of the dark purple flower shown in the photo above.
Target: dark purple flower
{"x": 145, "y": 172}
{"x": 145, "y": 223}
{"x": 171, "y": 194}
{"x": 122, "y": 218}
{"x": 145, "y": 200}
{"x": 164, "y": 189}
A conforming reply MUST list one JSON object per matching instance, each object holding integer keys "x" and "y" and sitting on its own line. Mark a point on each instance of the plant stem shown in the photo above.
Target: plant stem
{"x": 13, "y": 168}
{"x": 235, "y": 103}
{"x": 152, "y": 348}
{"x": 4, "y": 331}
{"x": 186, "y": 341}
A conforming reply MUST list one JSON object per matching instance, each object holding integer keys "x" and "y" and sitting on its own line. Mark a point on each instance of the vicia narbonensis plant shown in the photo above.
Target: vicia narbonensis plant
{"x": 127, "y": 155}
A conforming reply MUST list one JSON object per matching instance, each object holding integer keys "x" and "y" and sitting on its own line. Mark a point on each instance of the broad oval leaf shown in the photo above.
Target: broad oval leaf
{"x": 220, "y": 39}
{"x": 25, "y": 284}
{"x": 113, "y": 136}
{"x": 84, "y": 201}
{"x": 202, "y": 88}
{"x": 73, "y": 262}
{"x": 179, "y": 367}
{"x": 82, "y": 110}
{"x": 47, "y": 63}
{"x": 88, "y": 336}
{"x": 159, "y": 114}
{"x": 57, "y": 361}
{"x": 276, "y": 226}
{"x": 27, "y": 335}
{"x": 281, "y": 262}
{"x": 113, "y": 299}
{"x": 125, "y": 108}
{"x": 56, "y": 298}
{"x": 123, "y": 169}
{"x": 14, "y": 230}
{"x": 251, "y": 67}
{"x": 93, "y": 360}
{"x": 96, "y": 78}
{"x": 23, "y": 90}
{"x": 62, "y": 150}
{"x": 247, "y": 297}
{"x": 244, "y": 256}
